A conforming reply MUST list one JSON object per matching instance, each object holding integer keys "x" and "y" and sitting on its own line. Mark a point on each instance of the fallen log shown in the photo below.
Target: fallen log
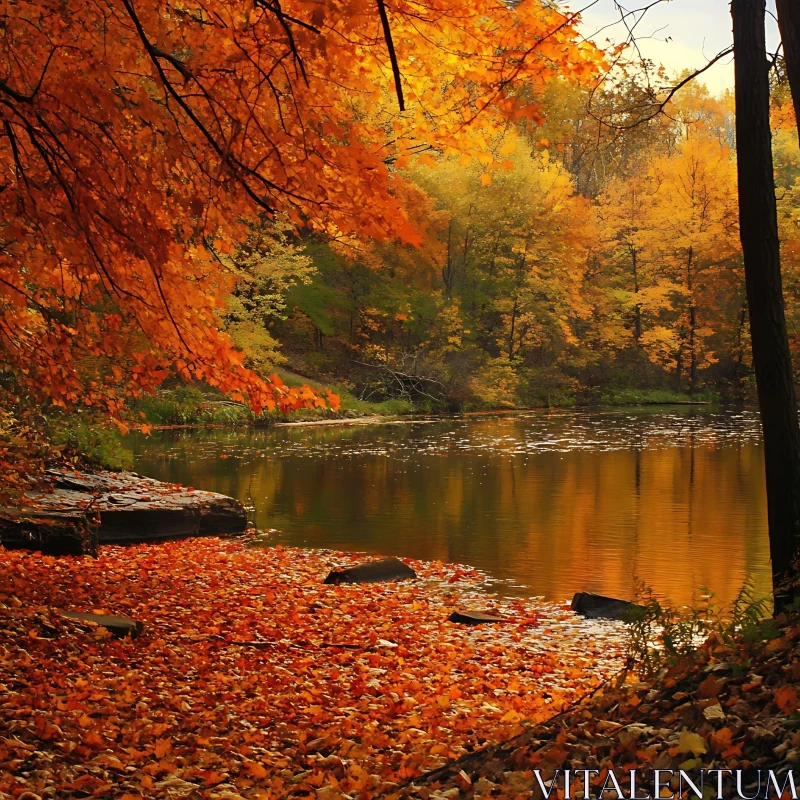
{"x": 84, "y": 510}
{"x": 380, "y": 571}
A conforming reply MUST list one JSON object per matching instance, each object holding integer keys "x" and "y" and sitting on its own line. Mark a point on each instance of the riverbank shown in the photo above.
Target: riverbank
{"x": 93, "y": 441}
{"x": 733, "y": 708}
{"x": 254, "y": 679}
{"x": 189, "y": 406}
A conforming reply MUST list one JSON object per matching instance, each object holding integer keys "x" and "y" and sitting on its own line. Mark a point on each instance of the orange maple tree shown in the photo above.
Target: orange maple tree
{"x": 137, "y": 139}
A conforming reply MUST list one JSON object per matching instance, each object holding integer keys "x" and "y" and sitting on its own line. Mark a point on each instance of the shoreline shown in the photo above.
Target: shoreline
{"x": 409, "y": 419}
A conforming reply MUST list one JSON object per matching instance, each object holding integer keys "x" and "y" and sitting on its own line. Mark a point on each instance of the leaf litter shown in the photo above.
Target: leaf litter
{"x": 734, "y": 706}
{"x": 252, "y": 679}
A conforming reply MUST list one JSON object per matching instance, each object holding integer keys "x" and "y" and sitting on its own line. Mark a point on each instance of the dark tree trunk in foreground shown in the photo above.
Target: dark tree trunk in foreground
{"x": 789, "y": 23}
{"x": 759, "y": 234}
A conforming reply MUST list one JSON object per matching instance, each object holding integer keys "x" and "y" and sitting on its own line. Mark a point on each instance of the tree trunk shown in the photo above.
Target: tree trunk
{"x": 466, "y": 248}
{"x": 511, "y": 334}
{"x": 692, "y": 325}
{"x": 637, "y": 309}
{"x": 759, "y": 234}
{"x": 789, "y": 23}
{"x": 447, "y": 271}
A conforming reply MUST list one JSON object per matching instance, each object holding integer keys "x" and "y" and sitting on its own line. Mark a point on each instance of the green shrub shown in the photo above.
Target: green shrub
{"x": 546, "y": 387}
{"x": 97, "y": 442}
{"x": 660, "y": 635}
{"x": 188, "y": 405}
{"x": 636, "y": 397}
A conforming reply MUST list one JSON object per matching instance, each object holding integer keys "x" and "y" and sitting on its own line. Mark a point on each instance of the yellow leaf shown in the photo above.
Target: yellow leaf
{"x": 486, "y": 179}
{"x": 691, "y": 743}
{"x": 509, "y": 146}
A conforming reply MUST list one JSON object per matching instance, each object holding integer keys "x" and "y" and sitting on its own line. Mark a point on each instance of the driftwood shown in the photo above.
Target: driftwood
{"x": 385, "y": 569}
{"x": 85, "y": 509}
{"x": 596, "y": 606}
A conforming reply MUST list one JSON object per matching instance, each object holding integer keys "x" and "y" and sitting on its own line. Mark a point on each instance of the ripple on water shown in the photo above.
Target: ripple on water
{"x": 546, "y": 502}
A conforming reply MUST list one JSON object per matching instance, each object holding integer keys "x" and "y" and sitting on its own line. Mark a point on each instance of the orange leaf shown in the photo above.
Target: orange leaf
{"x": 786, "y": 699}
{"x": 256, "y": 770}
{"x": 163, "y": 746}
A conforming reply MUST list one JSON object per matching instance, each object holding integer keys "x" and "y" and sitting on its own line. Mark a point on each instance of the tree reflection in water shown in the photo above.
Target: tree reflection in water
{"x": 550, "y": 503}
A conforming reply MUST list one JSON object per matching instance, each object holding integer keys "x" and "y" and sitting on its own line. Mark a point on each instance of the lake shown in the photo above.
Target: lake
{"x": 546, "y": 502}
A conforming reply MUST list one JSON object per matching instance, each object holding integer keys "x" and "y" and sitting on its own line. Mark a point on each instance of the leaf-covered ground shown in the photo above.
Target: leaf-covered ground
{"x": 254, "y": 679}
{"x": 733, "y": 708}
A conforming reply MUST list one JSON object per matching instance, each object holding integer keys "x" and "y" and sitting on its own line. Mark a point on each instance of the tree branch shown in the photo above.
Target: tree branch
{"x": 387, "y": 35}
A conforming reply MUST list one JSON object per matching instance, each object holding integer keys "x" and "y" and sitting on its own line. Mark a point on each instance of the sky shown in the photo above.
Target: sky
{"x": 677, "y": 33}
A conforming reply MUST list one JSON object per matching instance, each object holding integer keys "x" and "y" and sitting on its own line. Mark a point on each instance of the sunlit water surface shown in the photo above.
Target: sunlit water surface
{"x": 547, "y": 503}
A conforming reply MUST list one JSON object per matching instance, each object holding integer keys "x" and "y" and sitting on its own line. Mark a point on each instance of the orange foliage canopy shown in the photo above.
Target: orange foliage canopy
{"x": 137, "y": 137}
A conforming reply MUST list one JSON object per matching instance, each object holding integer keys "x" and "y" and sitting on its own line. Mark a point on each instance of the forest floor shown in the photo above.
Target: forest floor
{"x": 254, "y": 679}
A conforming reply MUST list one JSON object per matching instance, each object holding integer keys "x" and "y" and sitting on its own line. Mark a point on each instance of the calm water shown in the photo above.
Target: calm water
{"x": 548, "y": 503}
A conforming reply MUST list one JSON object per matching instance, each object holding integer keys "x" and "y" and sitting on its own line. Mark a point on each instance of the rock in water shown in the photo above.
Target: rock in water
{"x": 467, "y": 617}
{"x": 596, "y": 606}
{"x": 119, "y": 626}
{"x": 386, "y": 569}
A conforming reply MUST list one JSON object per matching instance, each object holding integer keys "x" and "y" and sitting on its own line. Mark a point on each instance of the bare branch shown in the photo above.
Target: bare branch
{"x": 387, "y": 35}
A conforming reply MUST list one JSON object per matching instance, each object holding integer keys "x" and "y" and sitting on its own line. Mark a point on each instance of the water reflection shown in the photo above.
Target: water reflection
{"x": 548, "y": 503}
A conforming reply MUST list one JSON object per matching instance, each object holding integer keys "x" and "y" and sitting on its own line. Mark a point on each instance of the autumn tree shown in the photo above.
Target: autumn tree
{"x": 139, "y": 139}
{"x": 515, "y": 252}
{"x": 694, "y": 236}
{"x": 760, "y": 244}
{"x": 266, "y": 267}
{"x": 624, "y": 216}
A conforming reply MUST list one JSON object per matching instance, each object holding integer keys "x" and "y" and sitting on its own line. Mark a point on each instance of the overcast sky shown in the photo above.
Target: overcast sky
{"x": 677, "y": 34}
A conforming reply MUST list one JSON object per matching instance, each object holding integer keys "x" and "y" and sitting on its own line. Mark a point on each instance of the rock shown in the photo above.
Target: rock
{"x": 385, "y": 569}
{"x": 85, "y": 509}
{"x": 596, "y": 606}
{"x": 119, "y": 626}
{"x": 57, "y": 532}
{"x": 467, "y": 617}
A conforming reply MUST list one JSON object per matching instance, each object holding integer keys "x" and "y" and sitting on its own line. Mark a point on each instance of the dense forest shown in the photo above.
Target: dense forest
{"x": 574, "y": 262}
{"x": 440, "y": 240}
